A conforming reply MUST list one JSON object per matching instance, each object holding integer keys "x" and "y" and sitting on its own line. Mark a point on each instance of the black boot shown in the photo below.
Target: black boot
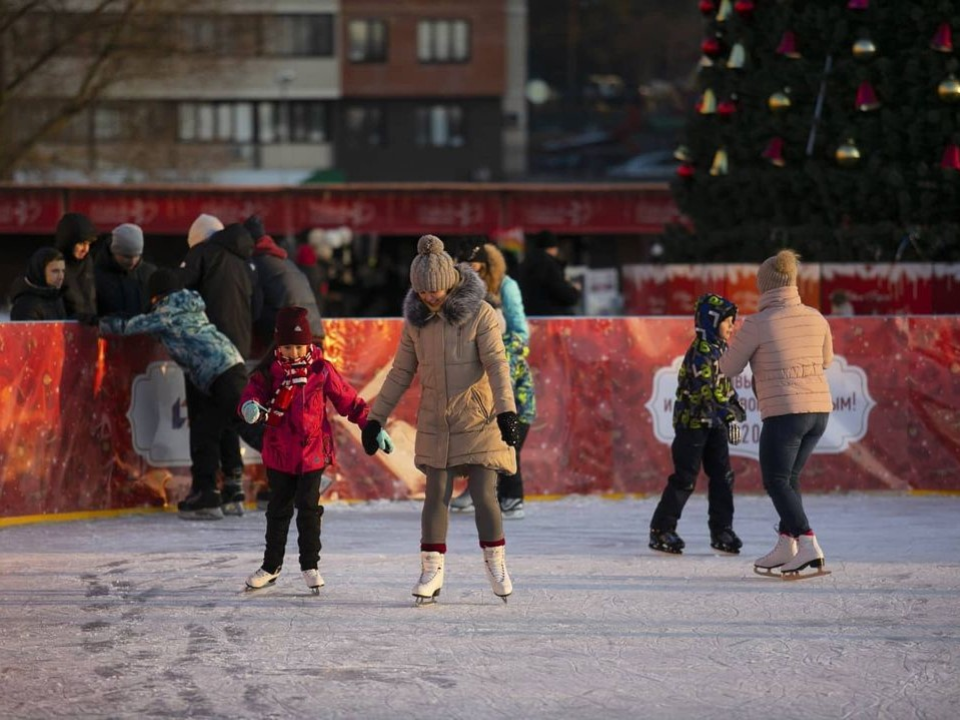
{"x": 666, "y": 541}
{"x": 201, "y": 505}
{"x": 725, "y": 540}
{"x": 232, "y": 494}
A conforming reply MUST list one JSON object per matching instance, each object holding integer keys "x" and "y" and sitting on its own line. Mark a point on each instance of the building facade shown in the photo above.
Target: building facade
{"x": 243, "y": 92}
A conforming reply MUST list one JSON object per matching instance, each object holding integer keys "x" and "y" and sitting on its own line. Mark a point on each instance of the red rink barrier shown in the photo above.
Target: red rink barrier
{"x": 88, "y": 424}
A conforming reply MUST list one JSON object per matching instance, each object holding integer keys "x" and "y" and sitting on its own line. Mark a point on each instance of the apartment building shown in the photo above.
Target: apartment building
{"x": 245, "y": 92}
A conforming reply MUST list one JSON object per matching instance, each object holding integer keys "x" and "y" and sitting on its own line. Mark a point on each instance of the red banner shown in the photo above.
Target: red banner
{"x": 30, "y": 211}
{"x": 88, "y": 424}
{"x": 576, "y": 212}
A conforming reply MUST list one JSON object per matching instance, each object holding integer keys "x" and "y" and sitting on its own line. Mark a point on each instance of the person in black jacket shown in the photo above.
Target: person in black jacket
{"x": 545, "y": 289}
{"x": 121, "y": 274}
{"x": 220, "y": 269}
{"x": 282, "y": 284}
{"x": 38, "y": 295}
{"x": 74, "y": 236}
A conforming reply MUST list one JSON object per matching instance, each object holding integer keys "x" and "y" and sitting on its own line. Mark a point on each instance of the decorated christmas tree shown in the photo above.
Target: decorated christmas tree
{"x": 832, "y": 127}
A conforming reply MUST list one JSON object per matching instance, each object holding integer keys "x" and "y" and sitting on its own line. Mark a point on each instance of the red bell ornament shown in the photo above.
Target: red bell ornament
{"x": 866, "y": 98}
{"x": 943, "y": 39}
{"x": 744, "y": 8}
{"x": 951, "y": 157}
{"x": 686, "y": 171}
{"x": 727, "y": 108}
{"x": 707, "y": 7}
{"x": 788, "y": 45}
{"x": 774, "y": 152}
{"x": 858, "y": 5}
{"x": 711, "y": 47}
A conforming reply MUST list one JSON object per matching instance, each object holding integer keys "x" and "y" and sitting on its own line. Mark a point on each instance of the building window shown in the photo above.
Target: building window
{"x": 215, "y": 122}
{"x": 298, "y": 35}
{"x": 366, "y": 126}
{"x": 292, "y": 121}
{"x": 443, "y": 41}
{"x": 440, "y": 126}
{"x": 368, "y": 41}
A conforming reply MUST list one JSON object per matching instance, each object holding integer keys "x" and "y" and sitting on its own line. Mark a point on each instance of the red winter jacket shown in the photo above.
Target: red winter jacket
{"x": 304, "y": 439}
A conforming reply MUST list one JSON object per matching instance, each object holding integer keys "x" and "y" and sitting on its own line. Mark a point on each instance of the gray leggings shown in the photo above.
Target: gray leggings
{"x": 482, "y": 483}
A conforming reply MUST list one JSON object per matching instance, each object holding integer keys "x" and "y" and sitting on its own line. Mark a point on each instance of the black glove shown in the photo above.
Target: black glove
{"x": 509, "y": 425}
{"x": 369, "y": 437}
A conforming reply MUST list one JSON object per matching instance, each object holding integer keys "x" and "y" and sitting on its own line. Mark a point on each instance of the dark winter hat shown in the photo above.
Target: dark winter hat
{"x": 37, "y": 267}
{"x": 471, "y": 251}
{"x": 163, "y": 282}
{"x": 127, "y": 239}
{"x": 293, "y": 327}
{"x": 778, "y": 271}
{"x": 545, "y": 240}
{"x": 432, "y": 269}
{"x": 254, "y": 226}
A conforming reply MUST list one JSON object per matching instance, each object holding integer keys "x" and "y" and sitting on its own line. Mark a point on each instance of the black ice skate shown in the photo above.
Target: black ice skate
{"x": 666, "y": 541}
{"x": 725, "y": 541}
{"x": 233, "y": 499}
{"x": 201, "y": 505}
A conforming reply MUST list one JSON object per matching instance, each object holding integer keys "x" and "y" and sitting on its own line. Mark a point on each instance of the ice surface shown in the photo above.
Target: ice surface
{"x": 144, "y": 616}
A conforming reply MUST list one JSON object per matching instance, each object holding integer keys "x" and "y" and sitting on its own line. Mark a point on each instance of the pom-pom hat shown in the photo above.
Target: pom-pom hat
{"x": 778, "y": 271}
{"x": 293, "y": 327}
{"x": 432, "y": 270}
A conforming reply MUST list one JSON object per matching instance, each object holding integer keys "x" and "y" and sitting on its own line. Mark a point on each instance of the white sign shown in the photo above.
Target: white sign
{"x": 158, "y": 418}
{"x": 848, "y": 421}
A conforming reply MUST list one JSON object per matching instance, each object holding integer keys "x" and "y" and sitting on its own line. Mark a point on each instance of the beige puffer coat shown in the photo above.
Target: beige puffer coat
{"x": 464, "y": 379}
{"x": 789, "y": 347}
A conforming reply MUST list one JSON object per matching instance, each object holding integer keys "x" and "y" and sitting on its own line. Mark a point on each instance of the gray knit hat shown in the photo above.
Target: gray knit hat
{"x": 127, "y": 239}
{"x": 432, "y": 269}
{"x": 778, "y": 271}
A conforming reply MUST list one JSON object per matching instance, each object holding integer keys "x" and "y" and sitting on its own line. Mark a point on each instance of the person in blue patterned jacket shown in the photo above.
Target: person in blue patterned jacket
{"x": 213, "y": 364}
{"x": 706, "y": 417}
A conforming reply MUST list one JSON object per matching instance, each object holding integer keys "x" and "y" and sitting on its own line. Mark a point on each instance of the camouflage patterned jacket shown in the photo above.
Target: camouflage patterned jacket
{"x": 705, "y": 397}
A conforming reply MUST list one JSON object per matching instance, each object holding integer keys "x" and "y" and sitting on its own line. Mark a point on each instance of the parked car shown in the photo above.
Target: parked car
{"x": 657, "y": 165}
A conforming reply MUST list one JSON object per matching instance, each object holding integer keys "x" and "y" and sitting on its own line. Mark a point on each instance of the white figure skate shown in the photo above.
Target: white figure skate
{"x": 314, "y": 580}
{"x": 427, "y": 589}
{"x": 261, "y": 579}
{"x": 494, "y": 558}
{"x": 783, "y": 552}
{"x": 809, "y": 555}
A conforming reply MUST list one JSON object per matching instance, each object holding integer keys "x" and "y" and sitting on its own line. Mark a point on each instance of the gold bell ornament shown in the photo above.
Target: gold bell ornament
{"x": 779, "y": 101}
{"x": 720, "y": 164}
{"x": 864, "y": 49}
{"x": 708, "y": 103}
{"x": 949, "y": 89}
{"x": 847, "y": 154}
{"x": 682, "y": 154}
{"x": 737, "y": 58}
{"x": 725, "y": 11}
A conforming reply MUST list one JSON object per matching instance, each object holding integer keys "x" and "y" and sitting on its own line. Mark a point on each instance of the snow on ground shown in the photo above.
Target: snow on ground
{"x": 144, "y": 617}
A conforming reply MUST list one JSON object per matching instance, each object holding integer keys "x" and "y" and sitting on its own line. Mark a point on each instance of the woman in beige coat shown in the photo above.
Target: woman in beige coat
{"x": 789, "y": 348}
{"x": 467, "y": 422}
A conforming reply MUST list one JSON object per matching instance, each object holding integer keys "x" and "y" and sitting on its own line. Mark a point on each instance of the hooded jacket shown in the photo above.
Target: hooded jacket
{"x": 79, "y": 285}
{"x": 179, "y": 322}
{"x": 31, "y": 297}
{"x": 459, "y": 357}
{"x": 120, "y": 291}
{"x": 705, "y": 397}
{"x": 789, "y": 347}
{"x": 220, "y": 269}
{"x": 303, "y": 441}
{"x": 282, "y": 284}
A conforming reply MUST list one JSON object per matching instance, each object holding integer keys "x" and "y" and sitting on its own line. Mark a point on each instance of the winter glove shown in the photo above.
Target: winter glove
{"x": 739, "y": 414}
{"x": 252, "y": 411}
{"x": 370, "y": 437}
{"x": 734, "y": 434}
{"x": 509, "y": 425}
{"x": 384, "y": 442}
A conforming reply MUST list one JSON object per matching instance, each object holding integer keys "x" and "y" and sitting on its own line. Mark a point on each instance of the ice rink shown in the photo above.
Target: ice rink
{"x": 144, "y": 617}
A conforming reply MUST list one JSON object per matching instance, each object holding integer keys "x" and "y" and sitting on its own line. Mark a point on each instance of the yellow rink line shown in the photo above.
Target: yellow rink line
{"x": 549, "y": 497}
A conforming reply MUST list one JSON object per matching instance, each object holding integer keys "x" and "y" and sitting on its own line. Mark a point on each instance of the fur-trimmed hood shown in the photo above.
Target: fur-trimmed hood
{"x": 462, "y": 303}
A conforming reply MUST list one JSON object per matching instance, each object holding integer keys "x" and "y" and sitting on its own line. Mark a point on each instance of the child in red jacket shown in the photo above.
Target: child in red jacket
{"x": 289, "y": 392}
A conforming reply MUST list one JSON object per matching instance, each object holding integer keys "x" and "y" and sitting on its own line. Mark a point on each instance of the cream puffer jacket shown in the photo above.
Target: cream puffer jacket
{"x": 464, "y": 377}
{"x": 789, "y": 348}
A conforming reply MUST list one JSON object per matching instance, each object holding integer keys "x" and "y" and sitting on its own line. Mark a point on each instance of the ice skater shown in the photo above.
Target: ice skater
{"x": 706, "y": 417}
{"x": 789, "y": 348}
{"x": 467, "y": 421}
{"x": 288, "y": 392}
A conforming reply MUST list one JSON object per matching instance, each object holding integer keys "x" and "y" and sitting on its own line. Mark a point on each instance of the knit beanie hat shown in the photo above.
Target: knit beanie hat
{"x": 432, "y": 269}
{"x": 254, "y": 226}
{"x": 127, "y": 239}
{"x": 203, "y": 227}
{"x": 293, "y": 327}
{"x": 163, "y": 282}
{"x": 778, "y": 271}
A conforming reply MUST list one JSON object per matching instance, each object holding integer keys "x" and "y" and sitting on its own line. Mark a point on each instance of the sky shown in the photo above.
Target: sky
{"x": 145, "y": 616}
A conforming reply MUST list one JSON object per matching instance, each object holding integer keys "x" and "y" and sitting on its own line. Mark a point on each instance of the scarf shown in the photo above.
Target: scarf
{"x": 295, "y": 372}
